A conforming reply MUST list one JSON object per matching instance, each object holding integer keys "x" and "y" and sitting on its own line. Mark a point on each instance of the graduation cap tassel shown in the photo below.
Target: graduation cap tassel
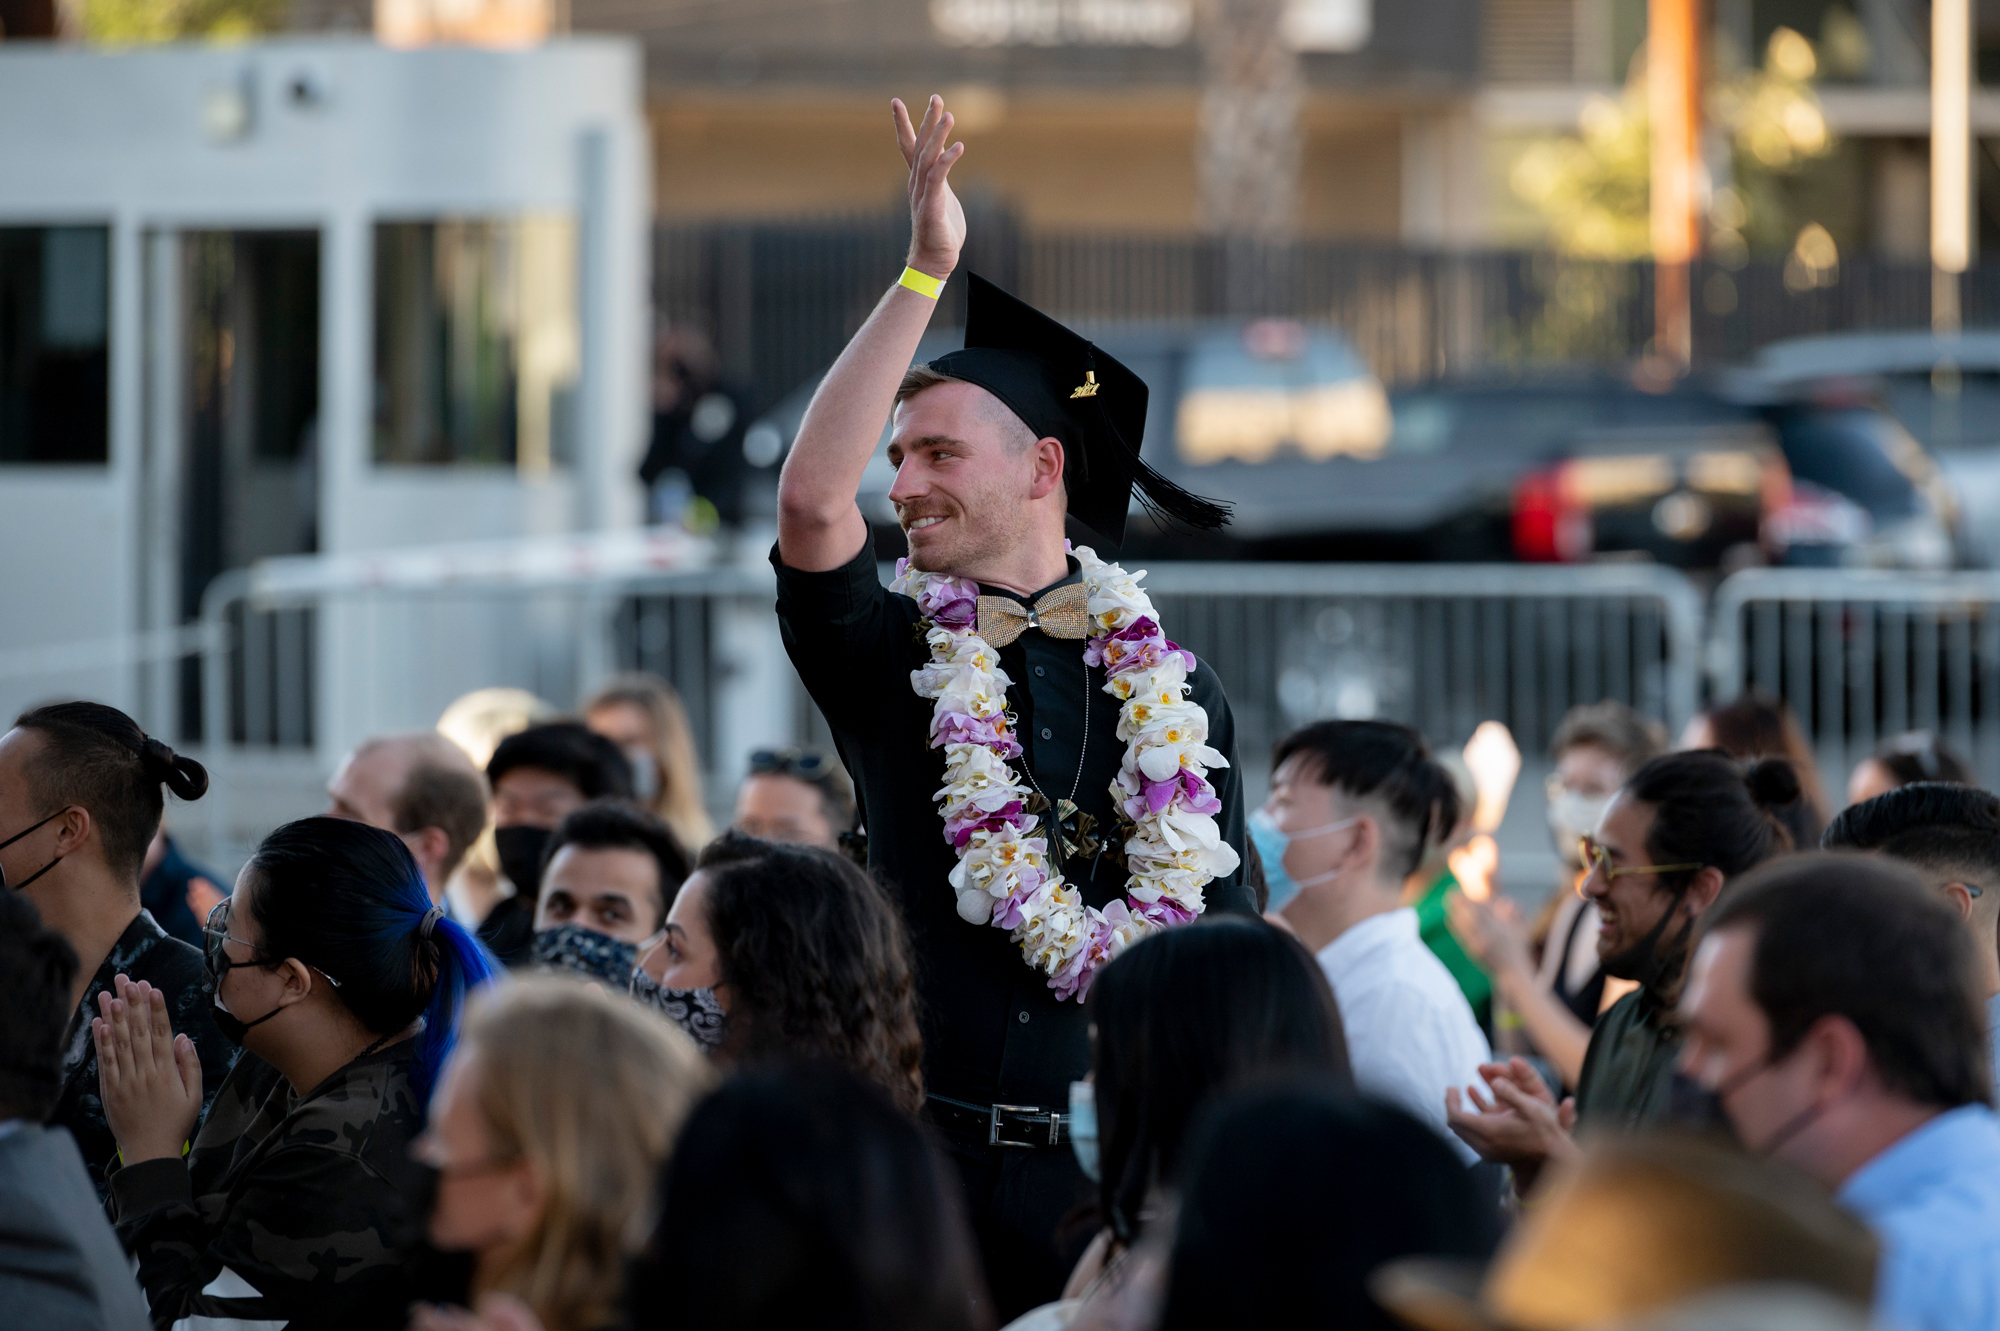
{"x": 1163, "y": 498}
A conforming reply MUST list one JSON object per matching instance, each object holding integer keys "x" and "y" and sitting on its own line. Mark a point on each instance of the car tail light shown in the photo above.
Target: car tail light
{"x": 1551, "y": 524}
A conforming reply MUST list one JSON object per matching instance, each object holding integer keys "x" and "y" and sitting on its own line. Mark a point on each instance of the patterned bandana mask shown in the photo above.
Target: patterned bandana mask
{"x": 693, "y": 1010}
{"x": 585, "y": 952}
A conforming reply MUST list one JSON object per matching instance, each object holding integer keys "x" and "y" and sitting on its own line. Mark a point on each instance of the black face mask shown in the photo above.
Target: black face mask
{"x": 521, "y": 850}
{"x": 16, "y": 837}
{"x": 1697, "y": 1108}
{"x": 585, "y": 952}
{"x": 233, "y": 1028}
{"x": 695, "y": 1011}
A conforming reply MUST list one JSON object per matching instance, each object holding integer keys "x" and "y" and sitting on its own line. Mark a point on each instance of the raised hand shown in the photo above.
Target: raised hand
{"x": 149, "y": 1078}
{"x": 1493, "y": 933}
{"x": 937, "y": 222}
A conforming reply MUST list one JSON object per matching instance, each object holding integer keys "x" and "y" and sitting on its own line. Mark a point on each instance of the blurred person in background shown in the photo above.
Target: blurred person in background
{"x": 1292, "y": 1196}
{"x": 60, "y": 1264}
{"x": 1180, "y": 1019}
{"x": 539, "y": 776}
{"x": 80, "y": 801}
{"x": 344, "y": 985}
{"x": 1641, "y": 1225}
{"x": 1918, "y": 755}
{"x": 1431, "y": 890}
{"x": 1951, "y": 835}
{"x": 422, "y": 787}
{"x": 613, "y": 872}
{"x": 1554, "y": 1000}
{"x": 477, "y": 722}
{"x": 694, "y": 469}
{"x": 801, "y": 1195}
{"x": 175, "y": 891}
{"x": 548, "y": 1130}
{"x": 797, "y": 796}
{"x": 1682, "y": 827}
{"x": 802, "y": 953}
{"x": 1358, "y": 803}
{"x": 643, "y": 715}
{"x": 1757, "y": 725}
{"x": 1834, "y": 1019}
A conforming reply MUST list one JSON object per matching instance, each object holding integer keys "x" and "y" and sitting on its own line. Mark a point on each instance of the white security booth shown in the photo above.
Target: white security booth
{"x": 305, "y": 297}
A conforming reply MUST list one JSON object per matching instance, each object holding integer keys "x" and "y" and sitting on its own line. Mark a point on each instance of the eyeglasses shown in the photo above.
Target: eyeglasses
{"x": 216, "y": 959}
{"x": 804, "y": 764}
{"x": 1598, "y": 860}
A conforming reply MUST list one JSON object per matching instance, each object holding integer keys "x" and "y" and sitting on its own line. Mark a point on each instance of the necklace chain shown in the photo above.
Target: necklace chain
{"x": 1082, "y": 752}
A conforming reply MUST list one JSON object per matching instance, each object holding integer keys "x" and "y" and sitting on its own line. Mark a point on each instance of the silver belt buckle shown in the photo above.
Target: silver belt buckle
{"x": 1048, "y": 1118}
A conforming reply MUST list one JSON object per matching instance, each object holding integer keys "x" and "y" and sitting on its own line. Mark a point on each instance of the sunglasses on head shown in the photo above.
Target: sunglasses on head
{"x": 804, "y": 764}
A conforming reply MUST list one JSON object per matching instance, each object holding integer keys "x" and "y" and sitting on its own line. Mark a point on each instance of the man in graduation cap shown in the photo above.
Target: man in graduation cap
{"x": 1046, "y": 778}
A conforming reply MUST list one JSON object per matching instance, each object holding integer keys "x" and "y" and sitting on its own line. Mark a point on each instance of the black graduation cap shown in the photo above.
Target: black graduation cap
{"x": 1066, "y": 389}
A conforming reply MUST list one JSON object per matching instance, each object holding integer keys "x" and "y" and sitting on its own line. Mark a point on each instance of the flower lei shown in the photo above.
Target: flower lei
{"x": 1004, "y": 878}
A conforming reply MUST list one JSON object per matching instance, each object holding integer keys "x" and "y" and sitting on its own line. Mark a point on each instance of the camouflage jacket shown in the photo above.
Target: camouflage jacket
{"x": 144, "y": 952}
{"x": 291, "y": 1209}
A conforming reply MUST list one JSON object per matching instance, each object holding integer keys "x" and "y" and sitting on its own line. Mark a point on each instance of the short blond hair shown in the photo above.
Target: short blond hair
{"x": 590, "y": 1090}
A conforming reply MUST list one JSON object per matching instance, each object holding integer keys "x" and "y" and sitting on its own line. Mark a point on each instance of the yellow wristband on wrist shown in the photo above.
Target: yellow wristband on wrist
{"x": 921, "y": 283}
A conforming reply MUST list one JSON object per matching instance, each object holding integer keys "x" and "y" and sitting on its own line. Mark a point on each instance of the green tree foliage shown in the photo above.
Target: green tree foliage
{"x": 137, "y": 22}
{"x": 1592, "y": 187}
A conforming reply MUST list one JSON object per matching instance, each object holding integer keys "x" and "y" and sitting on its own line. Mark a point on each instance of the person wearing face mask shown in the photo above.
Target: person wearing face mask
{"x": 1834, "y": 1018}
{"x": 613, "y": 871}
{"x": 776, "y": 951}
{"x": 539, "y": 776}
{"x": 642, "y": 714}
{"x": 343, "y": 984}
{"x": 1554, "y": 1001}
{"x": 80, "y": 801}
{"x": 551, "y": 1120}
{"x": 1358, "y": 803}
{"x": 1682, "y": 827}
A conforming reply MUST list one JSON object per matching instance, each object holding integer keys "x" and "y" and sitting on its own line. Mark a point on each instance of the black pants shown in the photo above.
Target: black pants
{"x": 1017, "y": 1198}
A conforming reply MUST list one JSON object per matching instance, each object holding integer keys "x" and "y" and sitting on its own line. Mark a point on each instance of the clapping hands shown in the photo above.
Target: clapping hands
{"x": 150, "y": 1078}
{"x": 1520, "y": 1126}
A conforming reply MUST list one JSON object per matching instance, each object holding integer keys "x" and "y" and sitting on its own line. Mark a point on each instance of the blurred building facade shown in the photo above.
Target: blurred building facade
{"x": 1085, "y": 115}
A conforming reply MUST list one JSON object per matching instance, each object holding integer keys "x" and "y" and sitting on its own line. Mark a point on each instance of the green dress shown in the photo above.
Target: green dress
{"x": 1435, "y": 929}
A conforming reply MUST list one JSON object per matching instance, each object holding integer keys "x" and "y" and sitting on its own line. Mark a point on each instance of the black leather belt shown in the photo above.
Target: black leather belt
{"x": 1002, "y": 1125}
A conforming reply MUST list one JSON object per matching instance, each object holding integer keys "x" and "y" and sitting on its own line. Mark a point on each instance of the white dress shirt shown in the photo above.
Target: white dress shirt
{"x": 1410, "y": 1032}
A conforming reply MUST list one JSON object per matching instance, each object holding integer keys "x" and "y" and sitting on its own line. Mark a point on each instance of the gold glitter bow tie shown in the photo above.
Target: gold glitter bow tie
{"x": 1063, "y": 613}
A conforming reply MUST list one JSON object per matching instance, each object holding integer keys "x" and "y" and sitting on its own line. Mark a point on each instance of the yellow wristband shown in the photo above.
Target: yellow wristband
{"x": 921, "y": 283}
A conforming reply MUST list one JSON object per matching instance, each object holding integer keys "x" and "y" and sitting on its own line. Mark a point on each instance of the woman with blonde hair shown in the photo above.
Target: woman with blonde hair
{"x": 552, "y": 1120}
{"x": 641, "y": 714}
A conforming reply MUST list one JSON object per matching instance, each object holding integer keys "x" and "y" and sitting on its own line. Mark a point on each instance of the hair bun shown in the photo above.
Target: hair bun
{"x": 1773, "y": 783}
{"x": 184, "y": 776}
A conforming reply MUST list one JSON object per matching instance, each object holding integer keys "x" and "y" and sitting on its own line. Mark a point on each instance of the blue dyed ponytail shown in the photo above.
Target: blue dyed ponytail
{"x": 349, "y": 901}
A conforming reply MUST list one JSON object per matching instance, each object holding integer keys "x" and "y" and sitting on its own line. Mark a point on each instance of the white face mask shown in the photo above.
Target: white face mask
{"x": 1286, "y": 839}
{"x": 1574, "y": 815}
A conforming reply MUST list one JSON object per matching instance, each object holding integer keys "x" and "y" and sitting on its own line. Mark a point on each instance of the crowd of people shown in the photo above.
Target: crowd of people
{"x": 1012, "y": 1016}
{"x": 684, "y": 1083}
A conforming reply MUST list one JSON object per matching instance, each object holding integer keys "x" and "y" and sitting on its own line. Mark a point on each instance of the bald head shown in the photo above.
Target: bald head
{"x": 420, "y": 786}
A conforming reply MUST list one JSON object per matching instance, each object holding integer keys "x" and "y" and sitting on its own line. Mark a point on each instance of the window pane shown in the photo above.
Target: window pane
{"x": 475, "y": 341}
{"x": 54, "y": 344}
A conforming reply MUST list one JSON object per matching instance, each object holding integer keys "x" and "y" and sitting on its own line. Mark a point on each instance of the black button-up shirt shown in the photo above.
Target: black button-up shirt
{"x": 994, "y": 1031}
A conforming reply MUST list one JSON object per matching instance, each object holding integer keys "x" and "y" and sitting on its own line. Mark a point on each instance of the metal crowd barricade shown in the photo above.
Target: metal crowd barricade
{"x": 1862, "y": 655}
{"x": 1440, "y": 647}
{"x": 303, "y": 659}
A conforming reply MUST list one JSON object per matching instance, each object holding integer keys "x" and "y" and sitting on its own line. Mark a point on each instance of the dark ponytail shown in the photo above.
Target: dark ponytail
{"x": 98, "y": 758}
{"x": 348, "y": 900}
{"x": 1712, "y": 810}
{"x": 1390, "y": 763}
